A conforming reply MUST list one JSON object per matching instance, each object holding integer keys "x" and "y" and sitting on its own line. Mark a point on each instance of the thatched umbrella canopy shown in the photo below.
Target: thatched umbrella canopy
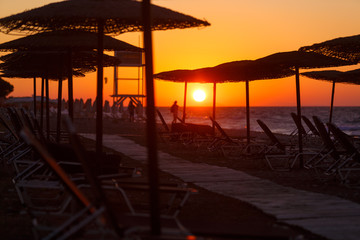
{"x": 326, "y": 75}
{"x": 118, "y": 16}
{"x": 15, "y": 72}
{"x": 75, "y": 40}
{"x": 237, "y": 71}
{"x": 334, "y": 76}
{"x": 345, "y": 48}
{"x": 306, "y": 60}
{"x": 66, "y": 40}
{"x": 50, "y": 65}
{"x": 5, "y": 88}
{"x": 20, "y": 73}
{"x": 83, "y": 61}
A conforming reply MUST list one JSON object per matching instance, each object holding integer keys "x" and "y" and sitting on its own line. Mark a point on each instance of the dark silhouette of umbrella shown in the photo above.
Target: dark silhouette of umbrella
{"x": 5, "y": 88}
{"x": 345, "y": 48}
{"x": 110, "y": 16}
{"x": 50, "y": 65}
{"x": 305, "y": 60}
{"x": 53, "y": 61}
{"x": 334, "y": 76}
{"x": 237, "y": 71}
{"x": 117, "y": 16}
{"x": 66, "y": 40}
{"x": 106, "y": 16}
{"x": 75, "y": 40}
{"x": 273, "y": 66}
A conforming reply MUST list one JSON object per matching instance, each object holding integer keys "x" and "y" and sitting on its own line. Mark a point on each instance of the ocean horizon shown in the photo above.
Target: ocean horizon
{"x": 277, "y": 118}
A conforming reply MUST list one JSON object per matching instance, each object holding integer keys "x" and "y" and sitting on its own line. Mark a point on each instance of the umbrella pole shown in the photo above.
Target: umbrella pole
{"x": 298, "y": 104}
{"x": 35, "y": 97}
{"x": 332, "y": 102}
{"x": 151, "y": 134}
{"x": 47, "y": 106}
{"x": 247, "y": 113}
{"x": 58, "y": 120}
{"x": 99, "y": 98}
{"x": 214, "y": 104}
{"x": 42, "y": 104}
{"x": 70, "y": 87}
{"x": 99, "y": 114}
{"x": 185, "y": 94}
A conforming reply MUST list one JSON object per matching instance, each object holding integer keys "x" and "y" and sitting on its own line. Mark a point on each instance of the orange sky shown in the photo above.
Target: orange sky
{"x": 240, "y": 29}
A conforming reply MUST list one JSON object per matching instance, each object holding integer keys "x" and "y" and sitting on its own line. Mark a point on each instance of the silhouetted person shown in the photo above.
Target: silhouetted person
{"x": 131, "y": 109}
{"x": 174, "y": 110}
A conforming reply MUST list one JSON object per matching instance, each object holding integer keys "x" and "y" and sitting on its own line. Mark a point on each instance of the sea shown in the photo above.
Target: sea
{"x": 278, "y": 119}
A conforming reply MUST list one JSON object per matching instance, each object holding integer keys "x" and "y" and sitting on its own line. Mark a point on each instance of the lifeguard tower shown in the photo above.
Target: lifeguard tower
{"x": 129, "y": 72}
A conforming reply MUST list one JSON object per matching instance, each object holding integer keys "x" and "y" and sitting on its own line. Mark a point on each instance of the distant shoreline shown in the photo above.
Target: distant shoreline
{"x": 261, "y": 106}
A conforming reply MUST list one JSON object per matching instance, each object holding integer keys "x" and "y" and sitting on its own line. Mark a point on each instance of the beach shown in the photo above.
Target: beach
{"x": 207, "y": 213}
{"x": 230, "y": 159}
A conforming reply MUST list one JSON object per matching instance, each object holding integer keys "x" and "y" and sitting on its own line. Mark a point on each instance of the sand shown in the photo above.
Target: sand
{"x": 206, "y": 213}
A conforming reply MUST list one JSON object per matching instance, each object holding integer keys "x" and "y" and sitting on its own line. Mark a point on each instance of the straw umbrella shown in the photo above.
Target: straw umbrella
{"x": 349, "y": 77}
{"x": 66, "y": 40}
{"x": 5, "y": 88}
{"x": 75, "y": 40}
{"x": 306, "y": 60}
{"x": 50, "y": 65}
{"x": 106, "y": 16}
{"x": 346, "y": 48}
{"x": 202, "y": 75}
{"x": 237, "y": 71}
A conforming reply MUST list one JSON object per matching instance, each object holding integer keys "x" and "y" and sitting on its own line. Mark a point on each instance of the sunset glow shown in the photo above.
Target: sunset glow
{"x": 240, "y": 30}
{"x": 199, "y": 95}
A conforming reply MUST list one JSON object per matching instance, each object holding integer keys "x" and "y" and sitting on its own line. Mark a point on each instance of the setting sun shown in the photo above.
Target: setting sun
{"x": 199, "y": 95}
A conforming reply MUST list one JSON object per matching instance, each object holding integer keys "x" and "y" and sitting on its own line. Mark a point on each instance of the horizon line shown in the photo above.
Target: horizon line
{"x": 270, "y": 106}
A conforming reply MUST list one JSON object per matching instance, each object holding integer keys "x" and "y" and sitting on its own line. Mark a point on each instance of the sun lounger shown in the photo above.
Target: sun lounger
{"x": 134, "y": 216}
{"x": 12, "y": 136}
{"x": 223, "y": 143}
{"x": 167, "y": 134}
{"x": 89, "y": 208}
{"x": 17, "y": 151}
{"x": 299, "y": 126}
{"x": 231, "y": 147}
{"x": 328, "y": 155}
{"x": 193, "y": 135}
{"x": 12, "y": 139}
{"x": 188, "y": 134}
{"x": 348, "y": 166}
{"x": 311, "y": 126}
{"x": 177, "y": 193}
{"x": 280, "y": 156}
{"x": 309, "y": 137}
{"x": 164, "y": 124}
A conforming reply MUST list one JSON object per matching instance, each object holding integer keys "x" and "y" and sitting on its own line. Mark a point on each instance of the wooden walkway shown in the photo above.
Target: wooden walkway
{"x": 328, "y": 216}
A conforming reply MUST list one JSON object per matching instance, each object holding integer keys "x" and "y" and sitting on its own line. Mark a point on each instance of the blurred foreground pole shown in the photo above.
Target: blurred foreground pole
{"x": 332, "y": 102}
{"x": 34, "y": 97}
{"x": 58, "y": 114}
{"x": 70, "y": 87}
{"x": 247, "y": 113}
{"x": 151, "y": 135}
{"x": 298, "y": 104}
{"x": 214, "y": 105}
{"x": 47, "y": 106}
{"x": 99, "y": 89}
{"x": 42, "y": 104}
{"x": 185, "y": 94}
